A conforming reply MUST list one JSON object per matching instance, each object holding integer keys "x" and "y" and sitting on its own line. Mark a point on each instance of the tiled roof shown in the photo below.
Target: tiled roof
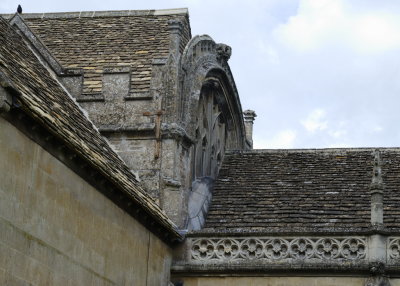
{"x": 302, "y": 190}
{"x": 93, "y": 41}
{"x": 45, "y": 100}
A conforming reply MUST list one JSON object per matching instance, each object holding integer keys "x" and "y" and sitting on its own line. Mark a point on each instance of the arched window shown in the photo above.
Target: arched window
{"x": 210, "y": 134}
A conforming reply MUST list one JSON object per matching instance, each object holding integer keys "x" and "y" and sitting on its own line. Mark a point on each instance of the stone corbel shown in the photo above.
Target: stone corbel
{"x": 378, "y": 277}
{"x": 172, "y": 183}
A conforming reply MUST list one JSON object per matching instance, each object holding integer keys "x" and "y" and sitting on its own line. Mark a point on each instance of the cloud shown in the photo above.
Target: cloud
{"x": 283, "y": 139}
{"x": 315, "y": 121}
{"x": 334, "y": 22}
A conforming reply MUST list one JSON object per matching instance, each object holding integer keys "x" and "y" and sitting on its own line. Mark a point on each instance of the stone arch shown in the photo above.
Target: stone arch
{"x": 204, "y": 67}
{"x": 211, "y": 113}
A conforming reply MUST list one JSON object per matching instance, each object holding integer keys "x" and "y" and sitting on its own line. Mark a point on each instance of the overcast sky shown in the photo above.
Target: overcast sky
{"x": 318, "y": 73}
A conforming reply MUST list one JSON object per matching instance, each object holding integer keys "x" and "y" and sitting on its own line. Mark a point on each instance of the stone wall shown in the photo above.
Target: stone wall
{"x": 139, "y": 155}
{"x": 178, "y": 130}
{"x": 56, "y": 229}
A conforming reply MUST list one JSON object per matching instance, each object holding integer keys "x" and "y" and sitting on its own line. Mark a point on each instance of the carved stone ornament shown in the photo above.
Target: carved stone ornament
{"x": 276, "y": 249}
{"x": 393, "y": 249}
{"x": 377, "y": 281}
{"x": 224, "y": 51}
{"x": 377, "y": 268}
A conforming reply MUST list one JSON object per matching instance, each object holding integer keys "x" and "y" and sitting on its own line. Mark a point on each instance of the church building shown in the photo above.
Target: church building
{"x": 126, "y": 159}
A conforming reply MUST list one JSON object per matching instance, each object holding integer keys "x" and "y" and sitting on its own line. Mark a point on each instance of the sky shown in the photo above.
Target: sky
{"x": 318, "y": 73}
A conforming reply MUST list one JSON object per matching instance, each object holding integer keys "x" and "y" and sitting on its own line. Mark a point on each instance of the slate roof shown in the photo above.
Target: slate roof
{"x": 93, "y": 41}
{"x": 302, "y": 191}
{"x": 45, "y": 100}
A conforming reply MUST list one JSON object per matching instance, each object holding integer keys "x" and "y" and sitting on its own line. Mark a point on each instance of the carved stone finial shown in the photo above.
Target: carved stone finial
{"x": 376, "y": 188}
{"x": 224, "y": 52}
{"x": 377, "y": 181}
{"x": 249, "y": 116}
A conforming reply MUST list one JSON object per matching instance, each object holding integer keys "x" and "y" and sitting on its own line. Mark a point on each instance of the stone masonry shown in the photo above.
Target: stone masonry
{"x": 167, "y": 103}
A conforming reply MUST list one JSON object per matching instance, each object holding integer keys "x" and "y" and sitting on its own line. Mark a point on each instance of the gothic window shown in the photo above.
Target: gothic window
{"x": 210, "y": 136}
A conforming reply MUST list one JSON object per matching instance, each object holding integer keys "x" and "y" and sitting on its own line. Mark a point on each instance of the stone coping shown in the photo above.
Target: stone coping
{"x": 91, "y": 14}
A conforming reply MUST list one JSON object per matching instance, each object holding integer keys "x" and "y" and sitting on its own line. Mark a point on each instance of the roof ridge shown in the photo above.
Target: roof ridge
{"x": 313, "y": 150}
{"x": 91, "y": 14}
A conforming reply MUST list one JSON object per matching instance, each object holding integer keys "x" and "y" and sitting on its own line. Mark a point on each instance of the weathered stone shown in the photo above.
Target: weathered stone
{"x": 249, "y": 116}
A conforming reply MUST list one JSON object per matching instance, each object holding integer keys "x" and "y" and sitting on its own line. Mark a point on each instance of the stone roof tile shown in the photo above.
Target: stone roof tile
{"x": 46, "y": 101}
{"x": 304, "y": 190}
{"x": 95, "y": 40}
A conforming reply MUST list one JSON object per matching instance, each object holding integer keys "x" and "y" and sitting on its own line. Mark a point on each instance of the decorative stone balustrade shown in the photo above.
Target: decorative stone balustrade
{"x": 277, "y": 249}
{"x": 393, "y": 250}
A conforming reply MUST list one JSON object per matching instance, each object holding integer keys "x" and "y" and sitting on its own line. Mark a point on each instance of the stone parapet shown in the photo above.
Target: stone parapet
{"x": 342, "y": 253}
{"x": 278, "y": 250}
